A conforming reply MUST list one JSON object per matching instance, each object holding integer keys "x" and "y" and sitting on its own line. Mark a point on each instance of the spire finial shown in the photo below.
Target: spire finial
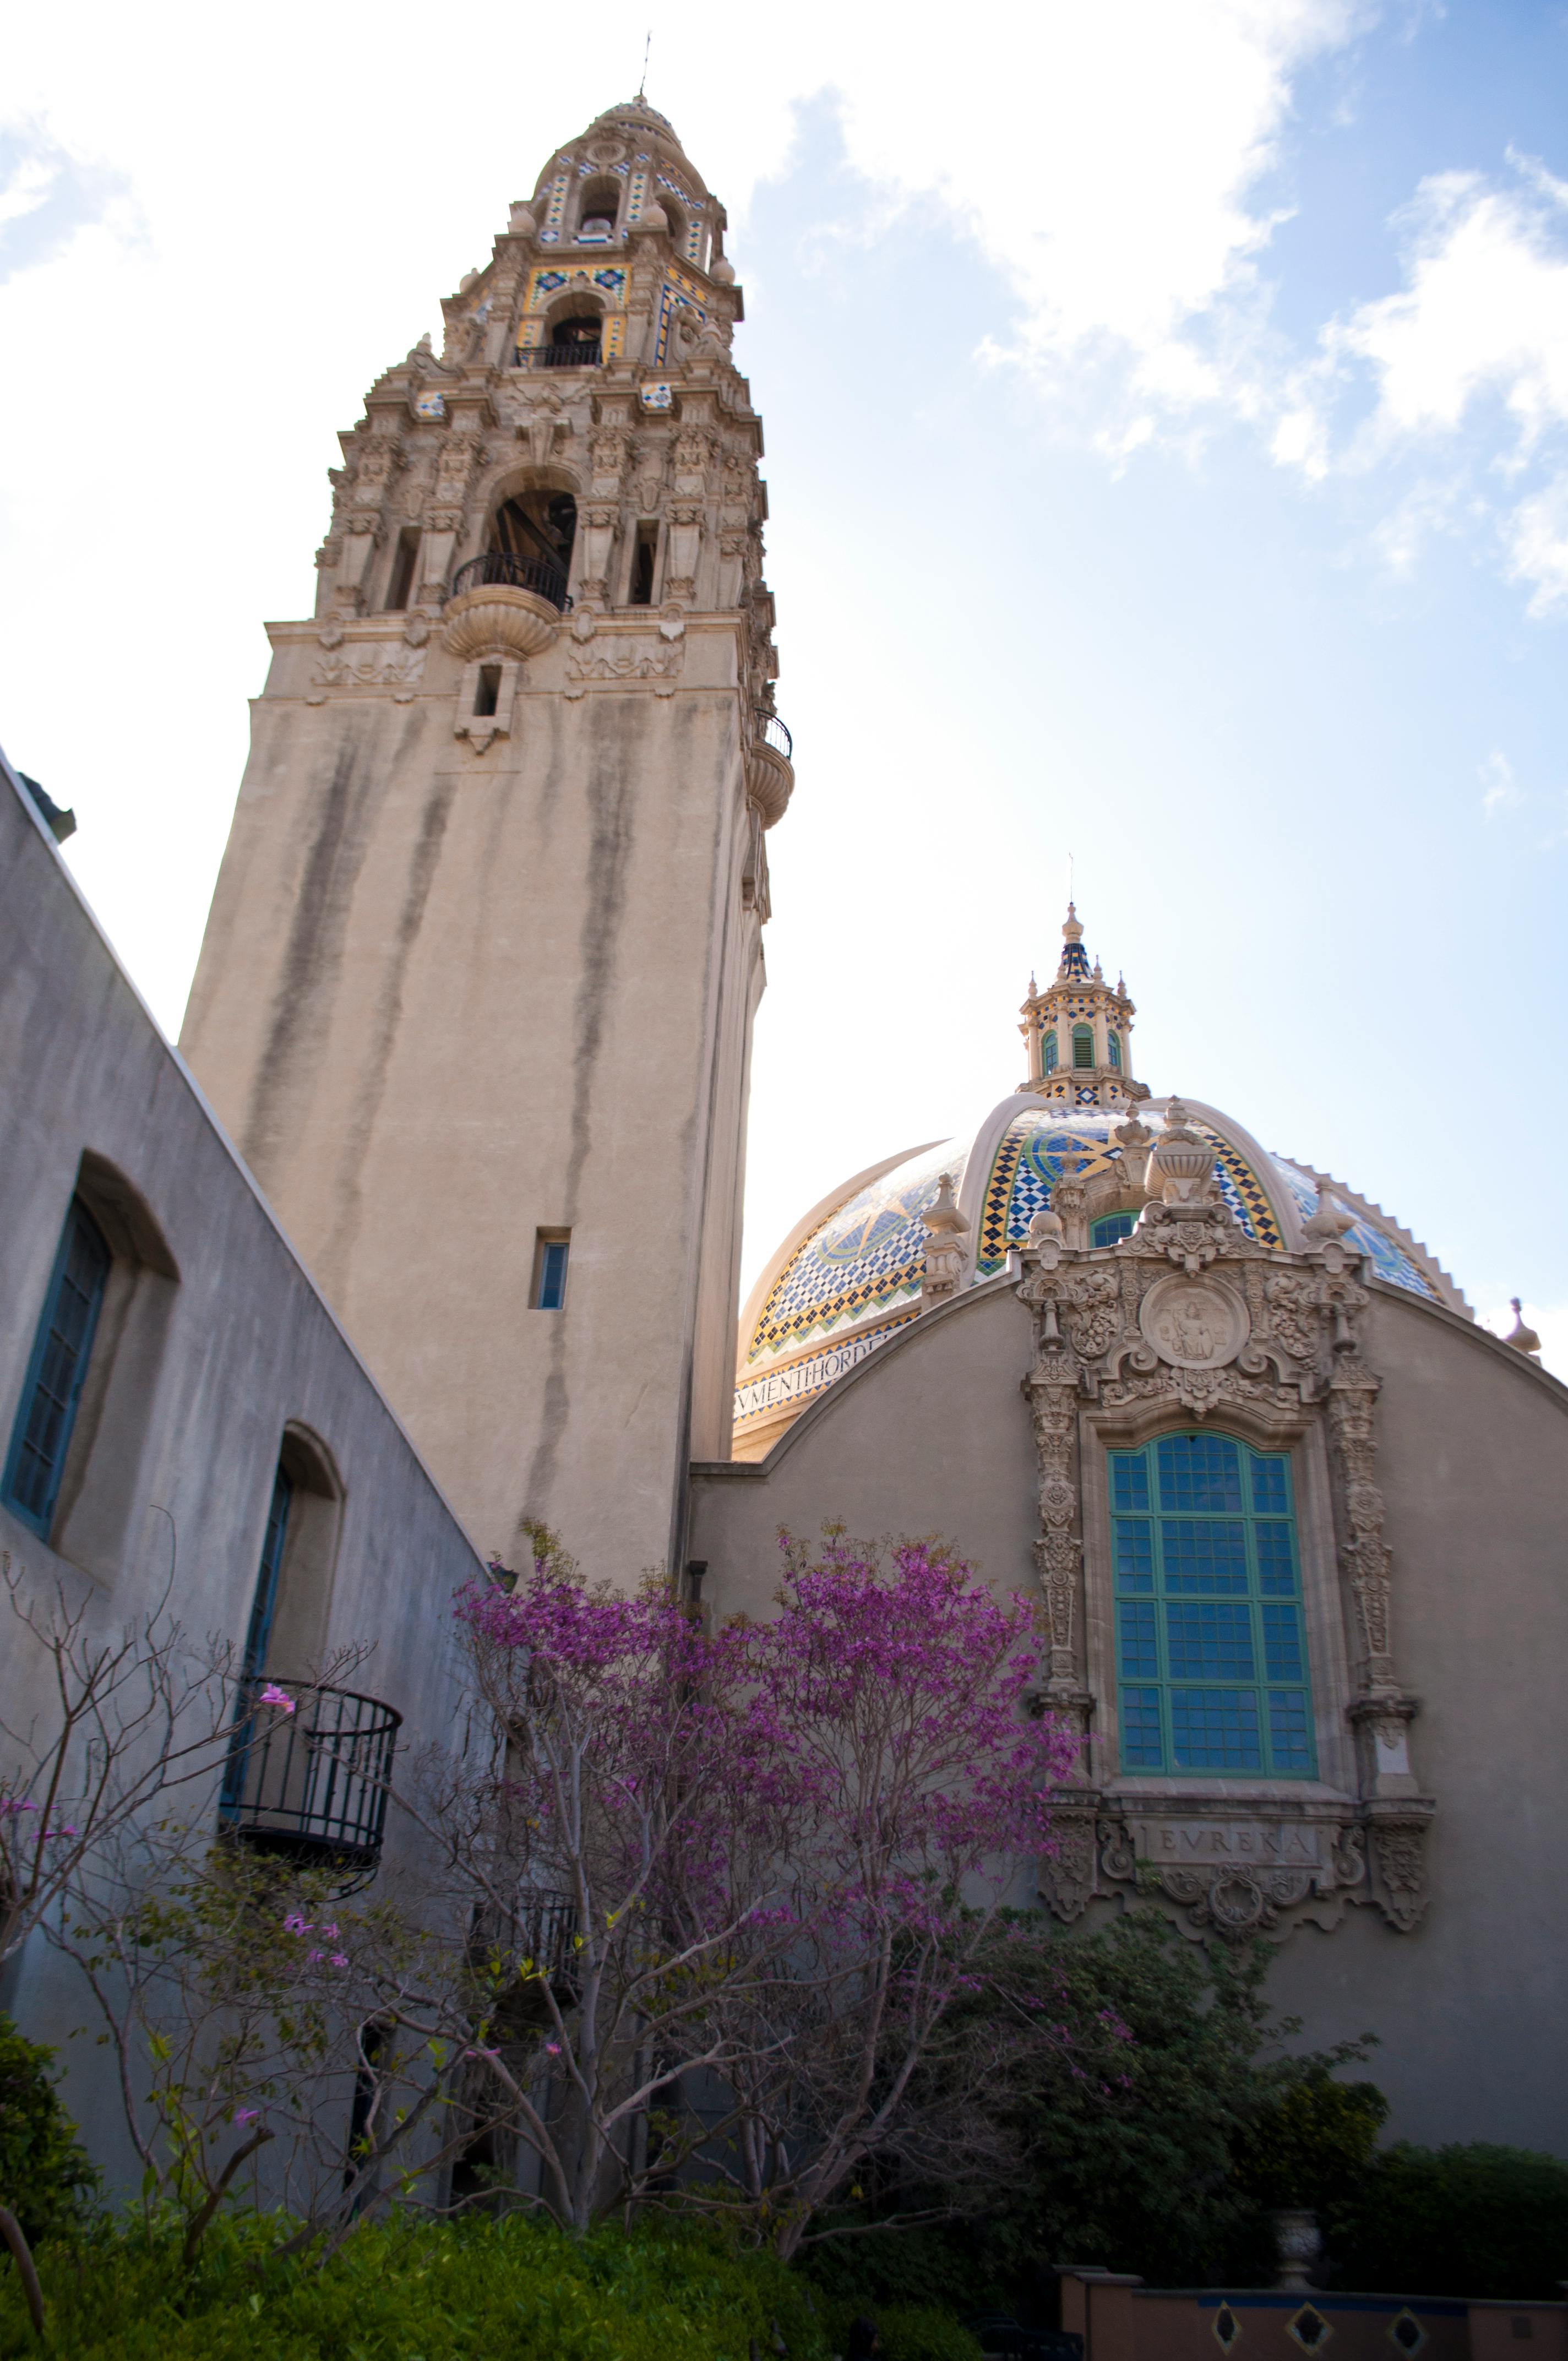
{"x": 1522, "y": 1338}
{"x": 646, "y": 46}
{"x": 1070, "y": 926}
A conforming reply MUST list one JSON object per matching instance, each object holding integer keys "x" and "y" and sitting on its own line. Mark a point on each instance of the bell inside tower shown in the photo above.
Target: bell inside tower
{"x": 538, "y": 527}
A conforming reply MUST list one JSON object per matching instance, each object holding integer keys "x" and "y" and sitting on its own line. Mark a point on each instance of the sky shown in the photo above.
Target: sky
{"x": 1166, "y": 419}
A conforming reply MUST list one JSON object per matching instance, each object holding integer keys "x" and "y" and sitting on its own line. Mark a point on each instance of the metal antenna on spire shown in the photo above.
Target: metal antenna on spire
{"x": 1069, "y": 893}
{"x": 646, "y": 46}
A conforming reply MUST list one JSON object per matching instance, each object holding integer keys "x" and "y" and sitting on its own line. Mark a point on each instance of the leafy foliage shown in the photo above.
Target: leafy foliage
{"x": 510, "y": 2289}
{"x": 1474, "y": 2220}
{"x": 44, "y": 2176}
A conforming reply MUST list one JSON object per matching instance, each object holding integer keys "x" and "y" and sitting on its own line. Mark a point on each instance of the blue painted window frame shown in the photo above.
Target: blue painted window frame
{"x": 56, "y": 1370}
{"x": 274, "y": 1540}
{"x": 551, "y": 1295}
{"x": 1212, "y": 1659}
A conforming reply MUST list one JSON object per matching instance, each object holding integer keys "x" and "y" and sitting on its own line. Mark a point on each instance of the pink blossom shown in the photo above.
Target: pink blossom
{"x": 296, "y": 1923}
{"x": 553, "y": 2049}
{"x": 273, "y": 1695}
{"x": 339, "y": 1959}
{"x": 245, "y": 2114}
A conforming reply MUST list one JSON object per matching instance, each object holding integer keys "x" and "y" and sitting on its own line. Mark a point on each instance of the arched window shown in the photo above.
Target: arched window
{"x": 598, "y": 210}
{"x": 51, "y": 1391}
{"x": 1211, "y": 1653}
{"x": 1083, "y": 1046}
{"x": 573, "y": 342}
{"x": 1109, "y": 1227}
{"x": 538, "y": 528}
{"x": 1114, "y": 1048}
{"x": 1048, "y": 1053}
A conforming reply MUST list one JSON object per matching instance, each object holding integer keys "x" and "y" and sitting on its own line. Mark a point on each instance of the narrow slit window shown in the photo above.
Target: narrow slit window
{"x": 403, "y": 564}
{"x": 1114, "y": 1048}
{"x": 488, "y": 691}
{"x": 1210, "y": 1646}
{"x": 1083, "y": 1047}
{"x": 51, "y": 1390}
{"x": 550, "y": 1252}
{"x": 640, "y": 592}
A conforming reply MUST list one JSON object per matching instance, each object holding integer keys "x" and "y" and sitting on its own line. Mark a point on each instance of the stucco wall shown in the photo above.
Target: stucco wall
{"x": 447, "y": 1000}
{"x": 241, "y": 1345}
{"x": 932, "y": 1434}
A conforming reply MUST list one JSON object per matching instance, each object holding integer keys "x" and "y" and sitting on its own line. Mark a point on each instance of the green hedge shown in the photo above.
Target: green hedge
{"x": 513, "y": 2290}
{"x": 1476, "y": 2221}
{"x": 45, "y": 2177}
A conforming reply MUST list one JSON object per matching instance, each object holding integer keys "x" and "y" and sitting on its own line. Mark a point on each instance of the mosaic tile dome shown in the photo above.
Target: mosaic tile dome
{"x": 849, "y": 1276}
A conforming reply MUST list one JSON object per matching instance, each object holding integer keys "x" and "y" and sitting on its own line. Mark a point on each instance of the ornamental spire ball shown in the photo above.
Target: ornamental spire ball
{"x": 1522, "y": 1339}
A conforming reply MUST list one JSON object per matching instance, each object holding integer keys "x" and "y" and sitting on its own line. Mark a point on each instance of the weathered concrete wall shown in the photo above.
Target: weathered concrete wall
{"x": 447, "y": 1000}
{"x": 193, "y": 1377}
{"x": 932, "y": 1435}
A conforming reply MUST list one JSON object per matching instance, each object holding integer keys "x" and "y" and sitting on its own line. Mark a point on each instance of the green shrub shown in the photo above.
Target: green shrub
{"x": 916, "y": 2332}
{"x": 1476, "y": 2221}
{"x": 44, "y": 2174}
{"x": 510, "y": 2289}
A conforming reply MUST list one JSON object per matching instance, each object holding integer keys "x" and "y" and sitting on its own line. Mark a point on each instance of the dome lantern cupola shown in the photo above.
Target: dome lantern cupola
{"x": 1080, "y": 1031}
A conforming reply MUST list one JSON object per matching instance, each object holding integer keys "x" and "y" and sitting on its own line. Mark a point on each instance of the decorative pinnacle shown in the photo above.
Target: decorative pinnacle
{"x": 1070, "y": 926}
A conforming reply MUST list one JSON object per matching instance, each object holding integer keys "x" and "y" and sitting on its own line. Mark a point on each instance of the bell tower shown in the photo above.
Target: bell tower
{"x": 476, "y": 992}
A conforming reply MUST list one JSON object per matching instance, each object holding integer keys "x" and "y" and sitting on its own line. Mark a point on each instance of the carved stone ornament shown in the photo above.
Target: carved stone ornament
{"x": 1233, "y": 1875}
{"x": 1193, "y": 1323}
{"x": 1189, "y": 1317}
{"x": 625, "y": 660}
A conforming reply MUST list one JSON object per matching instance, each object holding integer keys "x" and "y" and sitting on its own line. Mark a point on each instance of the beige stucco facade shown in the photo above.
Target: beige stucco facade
{"x": 485, "y": 948}
{"x": 215, "y": 1360}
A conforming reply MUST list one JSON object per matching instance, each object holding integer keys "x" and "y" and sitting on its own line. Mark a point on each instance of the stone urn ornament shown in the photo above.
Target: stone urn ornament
{"x": 1297, "y": 2245}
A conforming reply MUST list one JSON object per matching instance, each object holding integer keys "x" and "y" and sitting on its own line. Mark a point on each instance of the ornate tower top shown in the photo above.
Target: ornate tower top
{"x": 1080, "y": 1031}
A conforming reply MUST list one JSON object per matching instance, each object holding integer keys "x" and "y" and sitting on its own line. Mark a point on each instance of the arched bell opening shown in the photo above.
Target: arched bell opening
{"x": 573, "y": 335}
{"x": 598, "y": 210}
{"x": 537, "y": 528}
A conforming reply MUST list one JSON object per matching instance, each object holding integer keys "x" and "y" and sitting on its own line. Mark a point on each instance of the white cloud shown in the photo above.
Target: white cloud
{"x": 1484, "y": 312}
{"x": 1538, "y": 548}
{"x": 1500, "y": 789}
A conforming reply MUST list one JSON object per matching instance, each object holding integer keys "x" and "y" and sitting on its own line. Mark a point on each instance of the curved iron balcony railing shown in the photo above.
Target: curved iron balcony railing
{"x": 311, "y": 1784}
{"x": 516, "y": 574}
{"x": 578, "y": 355}
{"x": 772, "y": 732}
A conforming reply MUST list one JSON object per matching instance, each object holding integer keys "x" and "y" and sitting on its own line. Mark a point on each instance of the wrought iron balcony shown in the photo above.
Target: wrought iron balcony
{"x": 587, "y": 354}
{"x": 772, "y": 732}
{"x": 311, "y": 1784}
{"x": 514, "y": 574}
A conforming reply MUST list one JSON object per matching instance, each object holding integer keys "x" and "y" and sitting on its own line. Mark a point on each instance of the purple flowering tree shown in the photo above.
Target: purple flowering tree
{"x": 725, "y": 1888}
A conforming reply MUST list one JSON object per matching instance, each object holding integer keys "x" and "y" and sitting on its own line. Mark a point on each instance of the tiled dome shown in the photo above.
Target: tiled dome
{"x": 850, "y": 1275}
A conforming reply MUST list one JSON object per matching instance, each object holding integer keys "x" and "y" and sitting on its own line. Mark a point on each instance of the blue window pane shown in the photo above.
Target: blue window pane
{"x": 553, "y": 1274}
{"x": 1281, "y": 1644}
{"x": 1276, "y": 1561}
{"x": 1214, "y": 1729}
{"x": 1109, "y": 1227}
{"x": 1200, "y": 1471}
{"x": 1290, "y": 1732}
{"x": 1201, "y": 1555}
{"x": 1270, "y": 1487}
{"x": 261, "y": 1613}
{"x": 52, "y": 1389}
{"x": 1209, "y": 1641}
{"x": 1140, "y": 1653}
{"x": 1135, "y": 1553}
{"x": 1141, "y": 1748}
{"x": 1129, "y": 1481}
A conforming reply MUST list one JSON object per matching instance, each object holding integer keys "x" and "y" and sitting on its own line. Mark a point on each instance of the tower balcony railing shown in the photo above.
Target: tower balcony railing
{"x": 773, "y": 732}
{"x": 533, "y": 573}
{"x": 587, "y": 354}
{"x": 311, "y": 1784}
